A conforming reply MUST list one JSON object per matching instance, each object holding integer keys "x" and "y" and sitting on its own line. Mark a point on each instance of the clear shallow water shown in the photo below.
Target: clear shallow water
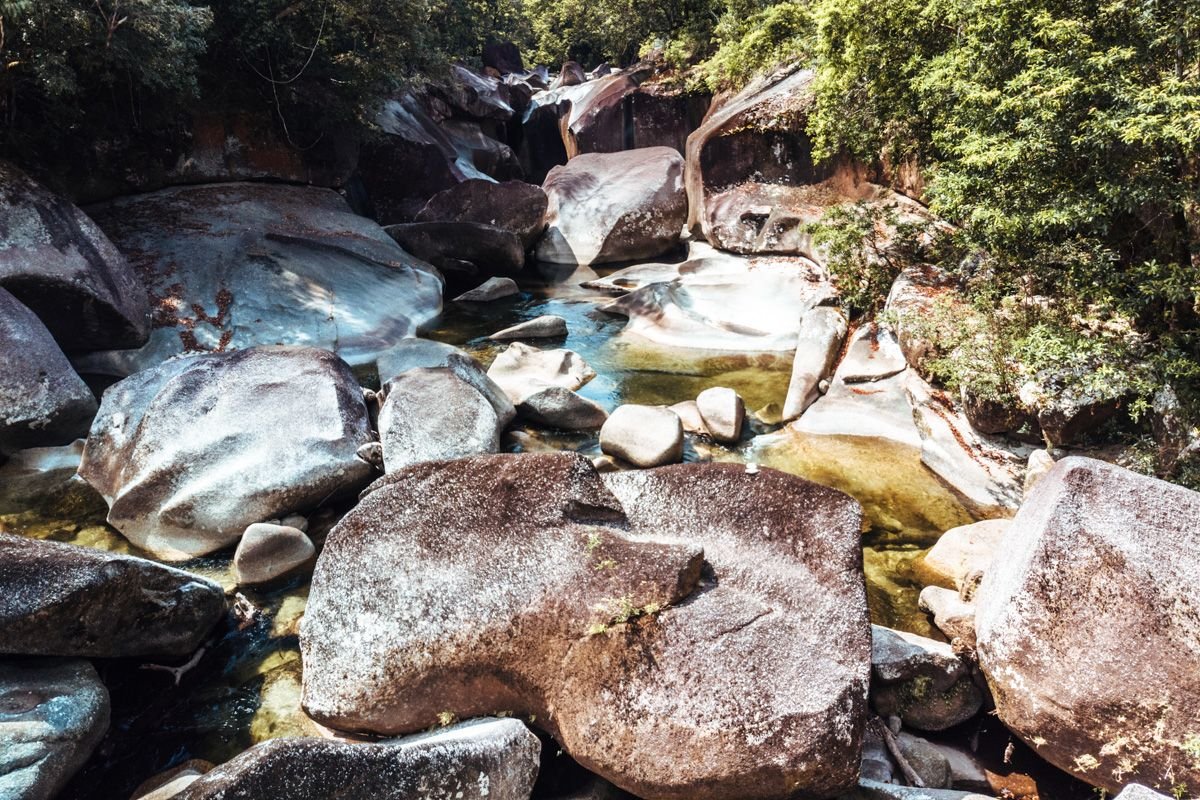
{"x": 245, "y": 688}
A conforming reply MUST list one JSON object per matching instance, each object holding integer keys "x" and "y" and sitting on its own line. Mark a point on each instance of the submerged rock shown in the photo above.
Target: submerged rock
{"x": 644, "y": 436}
{"x": 1089, "y": 630}
{"x": 547, "y": 326}
{"x": 614, "y": 207}
{"x": 190, "y": 452}
{"x": 62, "y": 600}
{"x": 56, "y": 261}
{"x": 53, "y": 713}
{"x": 42, "y": 476}
{"x": 496, "y": 759}
{"x": 921, "y": 681}
{"x": 42, "y": 400}
{"x": 519, "y": 583}
{"x": 489, "y": 290}
{"x": 235, "y": 265}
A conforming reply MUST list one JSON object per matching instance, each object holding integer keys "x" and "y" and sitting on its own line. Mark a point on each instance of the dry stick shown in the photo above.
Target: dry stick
{"x": 177, "y": 672}
{"x": 893, "y": 746}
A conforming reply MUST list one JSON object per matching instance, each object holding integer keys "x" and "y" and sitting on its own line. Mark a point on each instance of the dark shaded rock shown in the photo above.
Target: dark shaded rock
{"x": 189, "y": 453}
{"x": 495, "y": 759}
{"x": 478, "y": 147}
{"x": 921, "y": 681}
{"x": 512, "y": 206}
{"x": 503, "y": 56}
{"x": 464, "y": 250}
{"x": 1067, "y": 410}
{"x": 489, "y": 290}
{"x": 53, "y": 713}
{"x": 1089, "y": 631}
{"x": 42, "y": 400}
{"x": 561, "y": 409}
{"x": 56, "y": 261}
{"x": 547, "y": 326}
{"x": 61, "y": 600}
{"x": 474, "y": 96}
{"x": 236, "y": 265}
{"x": 614, "y": 207}
{"x": 626, "y": 111}
{"x": 571, "y": 74}
{"x": 626, "y": 676}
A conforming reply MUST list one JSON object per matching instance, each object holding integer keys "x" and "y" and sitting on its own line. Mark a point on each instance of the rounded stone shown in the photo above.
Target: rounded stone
{"x": 723, "y": 413}
{"x": 645, "y": 436}
{"x": 268, "y": 552}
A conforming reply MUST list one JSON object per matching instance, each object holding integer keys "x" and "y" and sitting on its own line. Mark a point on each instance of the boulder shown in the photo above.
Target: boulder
{"x": 874, "y": 790}
{"x": 926, "y": 760}
{"x": 645, "y": 436}
{"x": 513, "y": 206}
{"x": 952, "y": 615}
{"x": 42, "y": 400}
{"x": 412, "y": 353}
{"x": 689, "y": 416}
{"x": 571, "y": 74}
{"x": 919, "y": 291}
{"x": 1037, "y": 466}
{"x": 872, "y": 355}
{"x": 1089, "y": 630}
{"x": 472, "y": 95}
{"x": 436, "y": 413}
{"x": 53, "y": 713}
{"x": 61, "y": 600}
{"x": 818, "y": 342}
{"x": 723, "y": 413}
{"x": 522, "y": 370}
{"x": 547, "y": 326}
{"x": 630, "y": 110}
{"x": 505, "y": 57}
{"x": 268, "y": 552}
{"x": 495, "y": 759}
{"x": 608, "y": 207}
{"x": 589, "y": 637}
{"x": 489, "y": 290}
{"x": 465, "y": 250}
{"x": 561, "y": 409}
{"x": 718, "y": 301}
{"x": 190, "y": 452}
{"x": 1066, "y": 409}
{"x": 963, "y": 552}
{"x": 56, "y": 261}
{"x": 230, "y": 266}
{"x": 921, "y": 681}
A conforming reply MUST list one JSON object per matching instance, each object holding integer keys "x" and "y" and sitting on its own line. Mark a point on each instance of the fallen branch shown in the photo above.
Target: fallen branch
{"x": 897, "y": 752}
{"x": 177, "y": 672}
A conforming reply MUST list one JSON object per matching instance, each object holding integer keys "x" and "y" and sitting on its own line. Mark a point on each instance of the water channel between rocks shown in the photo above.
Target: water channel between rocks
{"x": 246, "y": 686}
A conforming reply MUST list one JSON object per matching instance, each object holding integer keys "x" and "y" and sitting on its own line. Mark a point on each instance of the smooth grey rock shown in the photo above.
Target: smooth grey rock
{"x": 42, "y": 400}
{"x": 268, "y": 552}
{"x": 522, "y": 370}
{"x": 53, "y": 713}
{"x": 614, "y": 207}
{"x": 926, "y": 760}
{"x": 469, "y": 249}
{"x": 1040, "y": 462}
{"x": 489, "y": 290}
{"x": 61, "y": 600}
{"x": 874, "y": 790}
{"x": 496, "y": 759}
{"x": 818, "y": 342}
{"x": 242, "y": 264}
{"x": 1135, "y": 791}
{"x": 921, "y": 681}
{"x": 723, "y": 413}
{"x": 562, "y": 409}
{"x": 547, "y": 326}
{"x": 645, "y": 436}
{"x": 412, "y": 353}
{"x": 58, "y": 263}
{"x": 190, "y": 452}
{"x": 1089, "y": 627}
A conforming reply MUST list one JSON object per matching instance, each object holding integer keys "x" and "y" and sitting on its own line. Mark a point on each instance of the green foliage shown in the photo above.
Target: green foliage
{"x": 616, "y": 31}
{"x": 754, "y": 40}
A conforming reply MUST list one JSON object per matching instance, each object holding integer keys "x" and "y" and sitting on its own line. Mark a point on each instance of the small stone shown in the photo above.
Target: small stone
{"x": 689, "y": 416}
{"x": 372, "y": 453}
{"x": 491, "y": 289}
{"x": 297, "y": 521}
{"x": 920, "y": 680}
{"x": 645, "y": 436}
{"x": 1040, "y": 462}
{"x": 268, "y": 552}
{"x": 951, "y": 614}
{"x": 723, "y": 413}
{"x": 605, "y": 464}
{"x": 561, "y": 409}
{"x": 547, "y": 326}
{"x": 172, "y": 782}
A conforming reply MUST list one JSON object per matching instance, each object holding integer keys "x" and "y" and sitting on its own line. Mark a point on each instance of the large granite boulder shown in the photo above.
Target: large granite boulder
{"x": 235, "y": 265}
{"x": 58, "y": 263}
{"x": 53, "y": 713}
{"x": 42, "y": 400}
{"x": 922, "y": 681}
{"x": 61, "y": 600}
{"x": 1089, "y": 627}
{"x": 190, "y": 452}
{"x": 519, "y": 582}
{"x": 464, "y": 251}
{"x": 514, "y": 206}
{"x": 496, "y": 759}
{"x": 614, "y": 207}
{"x": 718, "y": 301}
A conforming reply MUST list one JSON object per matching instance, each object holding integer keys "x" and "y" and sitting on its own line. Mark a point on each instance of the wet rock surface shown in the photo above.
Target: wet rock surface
{"x": 494, "y": 759}
{"x": 189, "y": 453}
{"x": 42, "y": 399}
{"x": 62, "y": 600}
{"x": 235, "y": 265}
{"x": 608, "y": 207}
{"x": 53, "y": 713}
{"x": 1088, "y": 628}
{"x": 57, "y": 262}
{"x": 641, "y": 625}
